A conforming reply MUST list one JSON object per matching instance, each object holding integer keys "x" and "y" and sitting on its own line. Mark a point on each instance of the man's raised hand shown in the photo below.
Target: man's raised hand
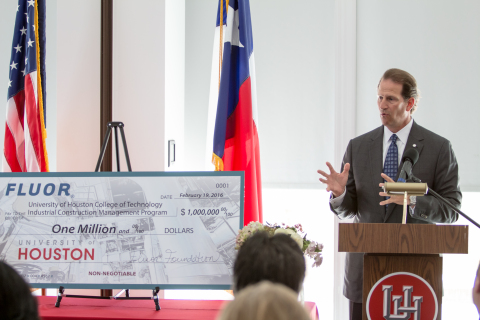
{"x": 335, "y": 181}
{"x": 398, "y": 199}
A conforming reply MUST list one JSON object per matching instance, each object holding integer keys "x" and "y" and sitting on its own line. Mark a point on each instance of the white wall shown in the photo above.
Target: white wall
{"x": 78, "y": 85}
{"x": 294, "y": 56}
{"x": 438, "y": 43}
{"x": 149, "y": 76}
{"x": 199, "y": 31}
{"x": 139, "y": 80}
{"x": 175, "y": 81}
{"x": 295, "y": 63}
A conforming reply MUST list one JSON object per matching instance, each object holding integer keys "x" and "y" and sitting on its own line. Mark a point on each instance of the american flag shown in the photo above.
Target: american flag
{"x": 24, "y": 147}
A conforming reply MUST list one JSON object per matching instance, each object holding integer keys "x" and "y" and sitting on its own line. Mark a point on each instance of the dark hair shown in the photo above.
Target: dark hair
{"x": 16, "y": 300}
{"x": 408, "y": 82}
{"x": 278, "y": 259}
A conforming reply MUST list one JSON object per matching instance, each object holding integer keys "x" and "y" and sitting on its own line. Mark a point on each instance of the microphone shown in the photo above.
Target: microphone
{"x": 410, "y": 157}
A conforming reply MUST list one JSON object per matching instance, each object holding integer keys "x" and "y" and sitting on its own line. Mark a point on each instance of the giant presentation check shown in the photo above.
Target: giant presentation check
{"x": 121, "y": 229}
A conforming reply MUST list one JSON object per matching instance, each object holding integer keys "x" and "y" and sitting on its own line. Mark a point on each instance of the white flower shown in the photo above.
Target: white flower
{"x": 295, "y": 236}
{"x": 294, "y": 232}
{"x": 298, "y": 239}
{"x": 284, "y": 231}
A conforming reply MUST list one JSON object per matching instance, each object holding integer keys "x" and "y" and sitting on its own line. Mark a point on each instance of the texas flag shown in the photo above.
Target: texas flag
{"x": 235, "y": 138}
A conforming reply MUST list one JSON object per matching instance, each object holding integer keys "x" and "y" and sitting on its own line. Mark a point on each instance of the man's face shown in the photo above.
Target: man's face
{"x": 394, "y": 110}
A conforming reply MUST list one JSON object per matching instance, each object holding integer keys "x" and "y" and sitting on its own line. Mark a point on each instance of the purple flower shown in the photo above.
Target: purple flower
{"x": 318, "y": 260}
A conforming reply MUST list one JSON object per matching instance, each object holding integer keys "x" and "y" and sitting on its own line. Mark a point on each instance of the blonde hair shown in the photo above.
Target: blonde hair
{"x": 265, "y": 301}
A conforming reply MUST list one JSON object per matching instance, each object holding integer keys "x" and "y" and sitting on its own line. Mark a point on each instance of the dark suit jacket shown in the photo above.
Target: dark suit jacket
{"x": 436, "y": 165}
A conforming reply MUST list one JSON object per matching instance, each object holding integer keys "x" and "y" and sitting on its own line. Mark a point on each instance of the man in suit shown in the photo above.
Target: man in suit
{"x": 355, "y": 189}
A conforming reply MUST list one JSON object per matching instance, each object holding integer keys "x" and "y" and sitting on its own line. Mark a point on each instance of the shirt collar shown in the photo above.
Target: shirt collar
{"x": 402, "y": 134}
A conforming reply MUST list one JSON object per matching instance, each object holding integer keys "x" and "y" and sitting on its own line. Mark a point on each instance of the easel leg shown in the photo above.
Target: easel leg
{"x": 114, "y": 125}
{"x": 104, "y": 147}
{"x": 61, "y": 290}
{"x": 127, "y": 158}
{"x": 155, "y": 298}
{"x": 116, "y": 149}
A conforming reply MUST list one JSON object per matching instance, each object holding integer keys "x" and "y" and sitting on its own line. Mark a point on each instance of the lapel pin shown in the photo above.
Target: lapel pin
{"x": 414, "y": 145}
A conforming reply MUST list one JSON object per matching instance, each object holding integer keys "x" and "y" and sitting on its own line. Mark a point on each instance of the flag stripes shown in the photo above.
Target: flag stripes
{"x": 24, "y": 146}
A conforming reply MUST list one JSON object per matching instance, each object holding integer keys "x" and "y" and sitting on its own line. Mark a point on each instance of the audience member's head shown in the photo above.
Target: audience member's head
{"x": 476, "y": 290}
{"x": 278, "y": 259}
{"x": 16, "y": 300}
{"x": 265, "y": 301}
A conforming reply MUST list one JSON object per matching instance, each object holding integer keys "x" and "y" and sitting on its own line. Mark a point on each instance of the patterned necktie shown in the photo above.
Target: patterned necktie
{"x": 390, "y": 167}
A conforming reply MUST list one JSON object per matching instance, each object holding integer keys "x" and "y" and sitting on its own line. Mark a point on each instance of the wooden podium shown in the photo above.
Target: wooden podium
{"x": 413, "y": 248}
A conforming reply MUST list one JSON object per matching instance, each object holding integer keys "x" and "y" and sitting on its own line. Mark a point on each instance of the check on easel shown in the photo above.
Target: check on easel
{"x": 122, "y": 229}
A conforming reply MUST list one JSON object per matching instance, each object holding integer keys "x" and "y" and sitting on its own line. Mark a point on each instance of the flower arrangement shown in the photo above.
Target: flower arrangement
{"x": 309, "y": 248}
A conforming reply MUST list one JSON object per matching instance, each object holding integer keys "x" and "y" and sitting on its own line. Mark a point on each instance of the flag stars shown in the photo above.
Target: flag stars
{"x": 30, "y": 43}
{"x": 33, "y": 26}
{"x": 23, "y": 31}
{"x": 18, "y": 48}
{"x": 26, "y": 59}
{"x": 233, "y": 31}
{"x": 26, "y": 13}
{"x": 23, "y": 72}
{"x": 18, "y": 7}
{"x": 13, "y": 65}
{"x": 31, "y": 3}
{"x": 9, "y": 83}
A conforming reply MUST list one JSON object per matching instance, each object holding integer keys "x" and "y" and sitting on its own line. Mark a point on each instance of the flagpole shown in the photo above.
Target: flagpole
{"x": 43, "y": 131}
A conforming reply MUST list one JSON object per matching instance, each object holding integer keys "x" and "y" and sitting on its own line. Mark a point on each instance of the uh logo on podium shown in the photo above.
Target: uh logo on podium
{"x": 402, "y": 295}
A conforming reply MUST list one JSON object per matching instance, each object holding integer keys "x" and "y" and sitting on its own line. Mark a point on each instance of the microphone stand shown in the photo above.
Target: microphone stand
{"x": 445, "y": 201}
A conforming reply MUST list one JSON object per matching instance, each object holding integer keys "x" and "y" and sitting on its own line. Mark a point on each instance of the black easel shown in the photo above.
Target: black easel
{"x": 155, "y": 291}
{"x": 114, "y": 124}
{"x": 61, "y": 290}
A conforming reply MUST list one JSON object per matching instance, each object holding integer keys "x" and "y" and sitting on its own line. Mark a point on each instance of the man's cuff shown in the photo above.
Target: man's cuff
{"x": 417, "y": 214}
{"x": 412, "y": 210}
{"x": 336, "y": 202}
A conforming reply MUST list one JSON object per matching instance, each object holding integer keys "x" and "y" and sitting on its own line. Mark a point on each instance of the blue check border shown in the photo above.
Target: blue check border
{"x": 152, "y": 286}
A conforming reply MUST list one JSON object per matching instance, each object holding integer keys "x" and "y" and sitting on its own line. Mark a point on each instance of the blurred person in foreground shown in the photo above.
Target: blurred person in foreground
{"x": 265, "y": 301}
{"x": 278, "y": 259}
{"x": 16, "y": 300}
{"x": 476, "y": 290}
